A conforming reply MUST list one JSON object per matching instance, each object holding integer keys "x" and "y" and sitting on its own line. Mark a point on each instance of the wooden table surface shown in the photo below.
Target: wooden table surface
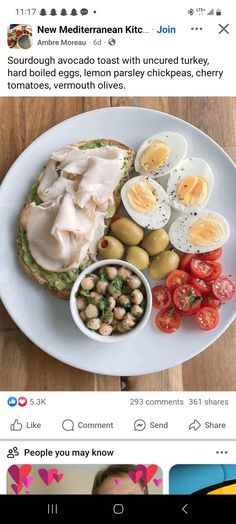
{"x": 23, "y": 366}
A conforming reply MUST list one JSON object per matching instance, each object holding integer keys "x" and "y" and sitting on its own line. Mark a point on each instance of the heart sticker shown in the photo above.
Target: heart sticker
{"x": 47, "y": 476}
{"x": 135, "y": 476}
{"x": 117, "y": 481}
{"x": 27, "y": 481}
{"x": 58, "y": 477}
{"x": 157, "y": 482}
{"x": 17, "y": 488}
{"x": 147, "y": 472}
{"x": 19, "y": 472}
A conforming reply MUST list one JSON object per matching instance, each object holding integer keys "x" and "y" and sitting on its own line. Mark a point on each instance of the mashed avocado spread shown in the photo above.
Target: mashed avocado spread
{"x": 61, "y": 281}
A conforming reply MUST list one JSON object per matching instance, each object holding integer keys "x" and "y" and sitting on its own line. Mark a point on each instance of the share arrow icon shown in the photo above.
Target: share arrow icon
{"x": 194, "y": 425}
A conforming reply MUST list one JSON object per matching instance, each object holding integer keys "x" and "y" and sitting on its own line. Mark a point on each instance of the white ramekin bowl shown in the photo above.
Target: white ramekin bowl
{"x": 111, "y": 339}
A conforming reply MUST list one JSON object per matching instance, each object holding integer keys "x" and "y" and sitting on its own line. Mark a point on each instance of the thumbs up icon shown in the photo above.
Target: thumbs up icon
{"x": 16, "y": 426}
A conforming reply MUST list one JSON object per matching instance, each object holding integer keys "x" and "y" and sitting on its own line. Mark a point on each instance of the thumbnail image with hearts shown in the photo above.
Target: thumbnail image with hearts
{"x": 85, "y": 479}
{"x": 202, "y": 479}
{"x": 128, "y": 479}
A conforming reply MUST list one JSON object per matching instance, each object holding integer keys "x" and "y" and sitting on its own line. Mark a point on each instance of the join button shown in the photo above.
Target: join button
{"x": 166, "y": 29}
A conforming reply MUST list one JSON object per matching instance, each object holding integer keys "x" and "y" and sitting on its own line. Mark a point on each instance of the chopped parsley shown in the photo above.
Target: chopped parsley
{"x": 104, "y": 276}
{"x": 171, "y": 311}
{"x": 86, "y": 294}
{"x": 118, "y": 283}
{"x": 106, "y": 316}
{"x": 194, "y": 299}
{"x": 103, "y": 304}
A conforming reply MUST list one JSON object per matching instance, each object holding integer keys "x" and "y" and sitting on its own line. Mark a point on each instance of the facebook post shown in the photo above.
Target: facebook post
{"x": 117, "y": 239}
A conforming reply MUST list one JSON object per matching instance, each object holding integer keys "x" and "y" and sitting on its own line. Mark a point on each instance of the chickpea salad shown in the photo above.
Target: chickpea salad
{"x": 111, "y": 300}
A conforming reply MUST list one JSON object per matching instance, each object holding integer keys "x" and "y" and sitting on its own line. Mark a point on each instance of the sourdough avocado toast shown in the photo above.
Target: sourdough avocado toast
{"x": 60, "y": 282}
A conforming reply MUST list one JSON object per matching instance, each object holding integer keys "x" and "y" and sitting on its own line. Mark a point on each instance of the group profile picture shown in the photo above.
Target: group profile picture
{"x": 19, "y": 36}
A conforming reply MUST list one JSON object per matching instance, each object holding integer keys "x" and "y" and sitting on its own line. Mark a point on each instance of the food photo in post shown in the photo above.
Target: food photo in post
{"x": 117, "y": 197}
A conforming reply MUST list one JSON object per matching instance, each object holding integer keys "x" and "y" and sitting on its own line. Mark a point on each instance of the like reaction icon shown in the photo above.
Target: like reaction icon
{"x": 12, "y": 401}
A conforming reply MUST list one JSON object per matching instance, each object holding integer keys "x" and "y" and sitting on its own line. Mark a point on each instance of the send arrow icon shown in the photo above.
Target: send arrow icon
{"x": 194, "y": 425}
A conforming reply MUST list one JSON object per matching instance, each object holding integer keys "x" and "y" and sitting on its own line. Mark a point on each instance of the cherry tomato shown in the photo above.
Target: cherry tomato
{"x": 203, "y": 287}
{"x": 185, "y": 262}
{"x": 191, "y": 312}
{"x": 176, "y": 278}
{"x": 223, "y": 288}
{"x": 187, "y": 298}
{"x": 161, "y": 297}
{"x": 210, "y": 301}
{"x": 216, "y": 270}
{"x": 168, "y": 320}
{"x": 212, "y": 255}
{"x": 199, "y": 268}
{"x": 207, "y": 318}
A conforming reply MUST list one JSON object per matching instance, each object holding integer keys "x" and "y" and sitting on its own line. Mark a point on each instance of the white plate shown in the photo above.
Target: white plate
{"x": 47, "y": 320}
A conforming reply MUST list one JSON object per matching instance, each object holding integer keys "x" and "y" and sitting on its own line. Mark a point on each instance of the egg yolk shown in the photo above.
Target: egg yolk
{"x": 142, "y": 196}
{"x": 192, "y": 190}
{"x": 154, "y": 156}
{"x": 206, "y": 231}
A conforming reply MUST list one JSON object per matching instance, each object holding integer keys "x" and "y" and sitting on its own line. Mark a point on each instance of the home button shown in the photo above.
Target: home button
{"x": 118, "y": 509}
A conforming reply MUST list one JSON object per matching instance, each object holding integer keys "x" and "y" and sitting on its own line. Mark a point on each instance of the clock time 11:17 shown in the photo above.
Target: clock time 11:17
{"x": 30, "y": 11}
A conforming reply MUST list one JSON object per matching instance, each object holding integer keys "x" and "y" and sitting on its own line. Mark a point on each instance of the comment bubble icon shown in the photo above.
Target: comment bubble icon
{"x": 68, "y": 425}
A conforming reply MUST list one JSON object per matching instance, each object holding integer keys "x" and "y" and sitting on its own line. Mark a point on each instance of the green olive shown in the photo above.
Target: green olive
{"x": 127, "y": 231}
{"x": 163, "y": 264}
{"x": 110, "y": 247}
{"x": 156, "y": 241}
{"x": 138, "y": 257}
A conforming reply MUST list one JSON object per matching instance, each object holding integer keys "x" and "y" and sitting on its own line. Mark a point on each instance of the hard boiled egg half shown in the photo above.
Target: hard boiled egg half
{"x": 199, "y": 232}
{"x": 160, "y": 154}
{"x": 190, "y": 185}
{"x": 146, "y": 202}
